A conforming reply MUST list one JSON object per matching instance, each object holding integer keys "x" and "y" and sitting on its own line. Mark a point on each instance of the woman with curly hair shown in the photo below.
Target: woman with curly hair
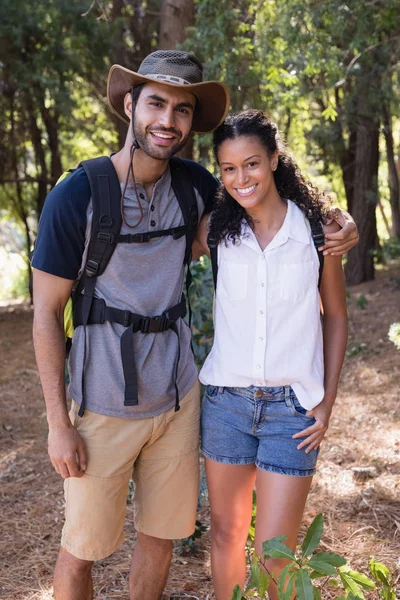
{"x": 273, "y": 370}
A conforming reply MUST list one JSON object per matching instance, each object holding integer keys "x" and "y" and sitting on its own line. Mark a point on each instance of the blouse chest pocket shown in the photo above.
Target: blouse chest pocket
{"x": 296, "y": 280}
{"x": 232, "y": 277}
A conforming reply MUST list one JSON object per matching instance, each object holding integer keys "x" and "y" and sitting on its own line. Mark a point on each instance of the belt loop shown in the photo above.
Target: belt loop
{"x": 287, "y": 395}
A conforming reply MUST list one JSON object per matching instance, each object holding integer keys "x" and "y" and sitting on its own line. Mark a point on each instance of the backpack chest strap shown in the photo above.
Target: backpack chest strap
{"x": 134, "y": 323}
{"x": 146, "y": 236}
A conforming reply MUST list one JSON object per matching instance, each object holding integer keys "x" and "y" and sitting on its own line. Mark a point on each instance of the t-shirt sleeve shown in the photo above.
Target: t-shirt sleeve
{"x": 205, "y": 183}
{"x": 61, "y": 235}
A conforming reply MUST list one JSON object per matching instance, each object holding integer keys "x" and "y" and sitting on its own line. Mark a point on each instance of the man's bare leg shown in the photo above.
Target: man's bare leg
{"x": 72, "y": 578}
{"x": 150, "y": 567}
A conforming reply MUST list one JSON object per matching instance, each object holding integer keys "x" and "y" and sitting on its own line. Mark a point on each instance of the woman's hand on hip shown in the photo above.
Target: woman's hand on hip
{"x": 316, "y": 432}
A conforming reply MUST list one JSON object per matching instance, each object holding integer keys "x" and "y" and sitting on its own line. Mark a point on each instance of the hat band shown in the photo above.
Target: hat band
{"x": 169, "y": 78}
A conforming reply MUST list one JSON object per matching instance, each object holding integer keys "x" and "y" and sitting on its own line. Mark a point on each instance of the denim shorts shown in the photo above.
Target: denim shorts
{"x": 253, "y": 425}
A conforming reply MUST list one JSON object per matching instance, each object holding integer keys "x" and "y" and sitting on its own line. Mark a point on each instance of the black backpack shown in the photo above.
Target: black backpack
{"x": 105, "y": 235}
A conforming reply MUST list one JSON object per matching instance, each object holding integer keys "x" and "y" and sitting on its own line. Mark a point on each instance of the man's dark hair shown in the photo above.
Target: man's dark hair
{"x": 136, "y": 91}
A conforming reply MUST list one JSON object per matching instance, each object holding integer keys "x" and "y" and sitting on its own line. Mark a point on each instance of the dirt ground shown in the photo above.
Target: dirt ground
{"x": 362, "y": 510}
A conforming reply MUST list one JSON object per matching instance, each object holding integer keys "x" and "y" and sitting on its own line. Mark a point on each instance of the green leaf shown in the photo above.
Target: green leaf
{"x": 313, "y": 535}
{"x": 282, "y": 579}
{"x": 321, "y": 566}
{"x": 265, "y": 580}
{"x": 237, "y": 593}
{"x": 275, "y": 549}
{"x": 317, "y": 593}
{"x": 331, "y": 558}
{"x": 304, "y": 587}
{"x": 289, "y": 587}
{"x": 379, "y": 571}
{"x": 362, "y": 580}
{"x": 351, "y": 586}
{"x": 254, "y": 575}
{"x": 316, "y": 575}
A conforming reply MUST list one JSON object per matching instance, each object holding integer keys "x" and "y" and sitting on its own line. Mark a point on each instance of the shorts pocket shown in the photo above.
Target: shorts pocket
{"x": 299, "y": 410}
{"x": 212, "y": 393}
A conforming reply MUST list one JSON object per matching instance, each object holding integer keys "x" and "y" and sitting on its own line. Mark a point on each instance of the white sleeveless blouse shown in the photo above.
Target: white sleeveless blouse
{"x": 267, "y": 313}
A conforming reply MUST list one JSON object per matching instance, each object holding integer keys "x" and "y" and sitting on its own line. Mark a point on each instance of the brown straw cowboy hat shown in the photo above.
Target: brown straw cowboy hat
{"x": 174, "y": 68}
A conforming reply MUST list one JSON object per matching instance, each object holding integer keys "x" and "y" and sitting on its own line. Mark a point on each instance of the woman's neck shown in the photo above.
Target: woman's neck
{"x": 267, "y": 219}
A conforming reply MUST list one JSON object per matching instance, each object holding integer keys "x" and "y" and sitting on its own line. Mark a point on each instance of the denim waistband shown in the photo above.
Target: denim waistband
{"x": 268, "y": 393}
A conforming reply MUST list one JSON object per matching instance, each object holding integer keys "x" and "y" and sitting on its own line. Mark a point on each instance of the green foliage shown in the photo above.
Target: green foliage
{"x": 389, "y": 250}
{"x": 202, "y": 293}
{"x": 394, "y": 334}
{"x": 355, "y": 350}
{"x": 361, "y": 301}
{"x": 310, "y": 571}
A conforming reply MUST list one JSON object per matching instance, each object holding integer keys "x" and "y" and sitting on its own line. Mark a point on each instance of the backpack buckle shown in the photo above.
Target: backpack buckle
{"x": 142, "y": 238}
{"x": 91, "y": 268}
{"x": 319, "y": 239}
{"x": 153, "y": 324}
{"x": 107, "y": 237}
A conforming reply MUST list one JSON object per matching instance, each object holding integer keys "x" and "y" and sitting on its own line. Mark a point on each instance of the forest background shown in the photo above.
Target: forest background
{"x": 328, "y": 73}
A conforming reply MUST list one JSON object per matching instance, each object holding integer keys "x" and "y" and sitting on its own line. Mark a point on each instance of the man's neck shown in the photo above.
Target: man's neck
{"x": 147, "y": 170}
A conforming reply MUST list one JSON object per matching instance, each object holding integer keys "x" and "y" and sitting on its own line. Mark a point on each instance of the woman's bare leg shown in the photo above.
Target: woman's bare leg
{"x": 280, "y": 505}
{"x": 230, "y": 489}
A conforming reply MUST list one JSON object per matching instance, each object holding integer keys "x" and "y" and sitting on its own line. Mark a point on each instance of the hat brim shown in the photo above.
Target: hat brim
{"x": 213, "y": 97}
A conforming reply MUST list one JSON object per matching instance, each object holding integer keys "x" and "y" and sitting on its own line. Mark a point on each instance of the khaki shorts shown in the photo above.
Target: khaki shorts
{"x": 160, "y": 453}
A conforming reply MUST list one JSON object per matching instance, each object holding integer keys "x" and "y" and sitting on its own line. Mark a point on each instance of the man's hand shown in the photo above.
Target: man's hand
{"x": 67, "y": 451}
{"x": 342, "y": 241}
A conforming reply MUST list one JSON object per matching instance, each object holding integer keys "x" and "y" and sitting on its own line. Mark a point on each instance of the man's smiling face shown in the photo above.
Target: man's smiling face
{"x": 162, "y": 119}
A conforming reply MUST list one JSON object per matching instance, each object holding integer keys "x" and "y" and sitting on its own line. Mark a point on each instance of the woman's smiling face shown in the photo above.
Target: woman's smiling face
{"x": 247, "y": 170}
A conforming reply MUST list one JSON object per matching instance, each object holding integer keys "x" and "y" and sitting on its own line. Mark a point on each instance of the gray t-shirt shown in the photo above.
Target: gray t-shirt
{"x": 146, "y": 279}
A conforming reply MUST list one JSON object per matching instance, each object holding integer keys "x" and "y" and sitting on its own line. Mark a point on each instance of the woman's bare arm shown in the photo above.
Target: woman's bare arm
{"x": 333, "y": 299}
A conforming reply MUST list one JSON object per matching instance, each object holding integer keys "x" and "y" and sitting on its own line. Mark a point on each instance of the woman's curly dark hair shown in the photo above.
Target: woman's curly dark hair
{"x": 227, "y": 216}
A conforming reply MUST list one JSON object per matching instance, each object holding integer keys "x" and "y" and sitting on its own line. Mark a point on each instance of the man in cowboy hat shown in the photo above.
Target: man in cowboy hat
{"x": 96, "y": 446}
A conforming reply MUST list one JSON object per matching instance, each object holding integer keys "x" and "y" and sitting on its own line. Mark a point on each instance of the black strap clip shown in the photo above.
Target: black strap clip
{"x": 319, "y": 239}
{"x": 153, "y": 324}
{"x": 91, "y": 268}
{"x": 127, "y": 318}
{"x": 142, "y": 238}
{"x": 107, "y": 237}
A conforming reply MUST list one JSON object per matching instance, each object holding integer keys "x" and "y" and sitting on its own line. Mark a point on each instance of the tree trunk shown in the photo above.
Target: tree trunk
{"x": 394, "y": 186}
{"x": 175, "y": 17}
{"x": 51, "y": 122}
{"x": 119, "y": 58}
{"x": 360, "y": 264}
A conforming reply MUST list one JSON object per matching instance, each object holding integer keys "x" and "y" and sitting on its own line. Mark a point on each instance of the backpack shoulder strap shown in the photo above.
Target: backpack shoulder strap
{"x": 182, "y": 185}
{"x": 318, "y": 237}
{"x": 106, "y": 224}
{"x": 107, "y": 220}
{"x": 213, "y": 247}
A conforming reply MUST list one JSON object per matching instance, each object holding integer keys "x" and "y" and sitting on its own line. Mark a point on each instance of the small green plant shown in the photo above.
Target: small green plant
{"x": 310, "y": 572}
{"x": 394, "y": 334}
{"x": 355, "y": 350}
{"x": 361, "y": 301}
{"x": 188, "y": 543}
